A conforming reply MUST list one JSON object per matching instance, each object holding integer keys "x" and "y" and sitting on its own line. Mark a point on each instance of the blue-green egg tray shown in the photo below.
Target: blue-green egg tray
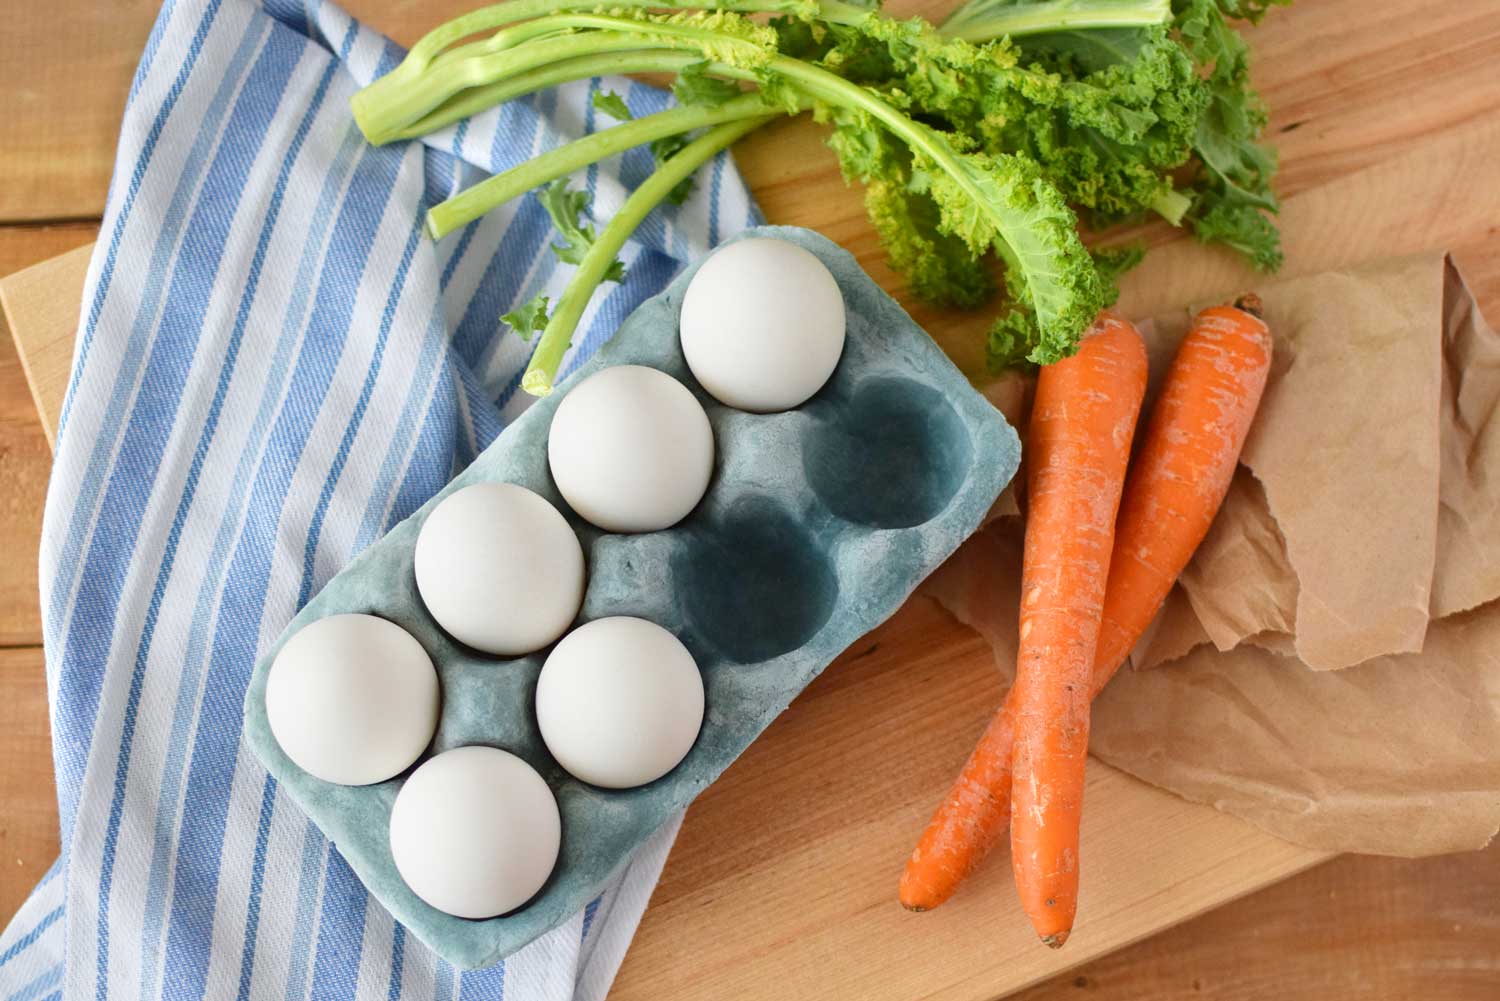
{"x": 818, "y": 524}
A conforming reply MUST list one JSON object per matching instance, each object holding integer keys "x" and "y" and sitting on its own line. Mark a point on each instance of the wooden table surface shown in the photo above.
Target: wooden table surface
{"x": 1369, "y": 99}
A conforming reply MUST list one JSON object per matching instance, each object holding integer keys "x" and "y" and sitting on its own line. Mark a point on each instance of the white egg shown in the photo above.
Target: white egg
{"x": 631, "y": 449}
{"x": 619, "y": 702}
{"x": 762, "y": 325}
{"x": 352, "y": 699}
{"x": 475, "y": 832}
{"x": 499, "y": 568}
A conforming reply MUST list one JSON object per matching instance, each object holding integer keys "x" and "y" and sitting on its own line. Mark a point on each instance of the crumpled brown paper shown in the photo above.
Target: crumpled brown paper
{"x": 1330, "y": 661}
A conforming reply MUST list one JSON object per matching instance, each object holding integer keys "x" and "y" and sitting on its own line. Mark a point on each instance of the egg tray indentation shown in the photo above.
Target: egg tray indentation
{"x": 818, "y": 524}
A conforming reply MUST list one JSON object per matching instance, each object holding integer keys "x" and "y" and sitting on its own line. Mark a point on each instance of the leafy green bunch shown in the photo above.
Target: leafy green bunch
{"x": 982, "y": 136}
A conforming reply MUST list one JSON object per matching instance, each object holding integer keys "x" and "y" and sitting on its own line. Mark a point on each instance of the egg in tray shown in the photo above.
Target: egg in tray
{"x": 490, "y": 708}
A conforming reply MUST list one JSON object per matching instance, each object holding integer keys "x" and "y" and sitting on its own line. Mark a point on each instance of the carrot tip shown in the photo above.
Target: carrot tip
{"x": 1250, "y": 303}
{"x": 914, "y": 908}
{"x": 1055, "y": 941}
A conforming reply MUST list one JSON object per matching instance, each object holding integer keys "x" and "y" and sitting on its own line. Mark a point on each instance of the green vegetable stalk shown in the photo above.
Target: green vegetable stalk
{"x": 1219, "y": 118}
{"x": 600, "y": 258}
{"x": 980, "y": 136}
{"x": 981, "y": 20}
{"x": 474, "y": 202}
{"x": 476, "y": 99}
{"x": 383, "y": 110}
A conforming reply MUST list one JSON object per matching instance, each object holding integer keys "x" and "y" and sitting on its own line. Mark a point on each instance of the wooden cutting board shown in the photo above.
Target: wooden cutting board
{"x": 783, "y": 880}
{"x": 786, "y": 868}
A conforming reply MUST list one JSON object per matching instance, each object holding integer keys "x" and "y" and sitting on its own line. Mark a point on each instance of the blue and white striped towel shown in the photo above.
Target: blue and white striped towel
{"x": 273, "y": 367}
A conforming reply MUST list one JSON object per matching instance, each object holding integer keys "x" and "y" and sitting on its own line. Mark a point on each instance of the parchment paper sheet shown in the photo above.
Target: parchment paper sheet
{"x": 1329, "y": 666}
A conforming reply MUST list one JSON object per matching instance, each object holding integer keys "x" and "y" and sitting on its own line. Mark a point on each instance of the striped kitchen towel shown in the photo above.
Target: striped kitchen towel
{"x": 273, "y": 367}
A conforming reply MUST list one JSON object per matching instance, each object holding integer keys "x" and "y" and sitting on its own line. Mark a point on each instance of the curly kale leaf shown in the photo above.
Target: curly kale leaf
{"x": 935, "y": 205}
{"x": 1108, "y": 137}
{"x": 612, "y": 104}
{"x": 1192, "y": 75}
{"x": 567, "y": 209}
{"x": 694, "y": 86}
{"x": 1003, "y": 202}
{"x": 664, "y": 149}
{"x": 1240, "y": 226}
{"x": 527, "y": 318}
{"x": 939, "y": 267}
{"x": 1111, "y": 138}
{"x": 1233, "y": 190}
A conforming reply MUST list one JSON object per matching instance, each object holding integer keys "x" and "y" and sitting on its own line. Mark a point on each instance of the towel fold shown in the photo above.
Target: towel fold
{"x": 273, "y": 367}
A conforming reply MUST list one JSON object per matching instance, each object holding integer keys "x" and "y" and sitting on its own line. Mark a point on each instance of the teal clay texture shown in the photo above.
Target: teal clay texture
{"x": 818, "y": 523}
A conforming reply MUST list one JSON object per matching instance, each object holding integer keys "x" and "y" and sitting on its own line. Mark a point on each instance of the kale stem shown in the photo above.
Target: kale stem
{"x": 475, "y": 201}
{"x": 396, "y": 110}
{"x": 558, "y": 334}
{"x": 820, "y": 84}
{"x": 811, "y": 82}
{"x": 1171, "y": 205}
{"x": 505, "y": 38}
{"x": 384, "y": 109}
{"x": 477, "y": 99}
{"x": 498, "y": 15}
{"x": 983, "y": 20}
{"x": 382, "y": 113}
{"x": 432, "y": 44}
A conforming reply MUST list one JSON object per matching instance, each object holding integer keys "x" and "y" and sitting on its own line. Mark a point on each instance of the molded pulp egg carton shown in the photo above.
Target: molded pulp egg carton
{"x": 818, "y": 524}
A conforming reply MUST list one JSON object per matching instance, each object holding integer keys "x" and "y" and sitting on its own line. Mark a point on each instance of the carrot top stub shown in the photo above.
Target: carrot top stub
{"x": 1078, "y": 447}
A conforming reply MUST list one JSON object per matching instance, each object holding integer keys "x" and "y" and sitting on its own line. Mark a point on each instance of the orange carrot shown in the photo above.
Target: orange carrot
{"x": 1210, "y": 395}
{"x": 968, "y": 822}
{"x": 1082, "y": 423}
{"x": 1180, "y": 476}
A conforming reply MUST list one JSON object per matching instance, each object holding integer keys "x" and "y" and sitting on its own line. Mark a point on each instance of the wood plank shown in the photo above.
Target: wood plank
{"x": 24, "y": 464}
{"x": 1352, "y": 83}
{"x": 28, "y": 806}
{"x": 1349, "y": 82}
{"x": 1356, "y": 929}
{"x": 719, "y": 874}
{"x": 778, "y": 879}
{"x": 65, "y": 69}
{"x": 24, "y": 456}
{"x": 785, "y": 870}
{"x": 46, "y": 295}
{"x": 23, "y": 246}
{"x": 28, "y": 802}
{"x": 768, "y": 851}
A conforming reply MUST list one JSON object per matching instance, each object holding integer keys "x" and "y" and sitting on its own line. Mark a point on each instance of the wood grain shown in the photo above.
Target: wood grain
{"x": 24, "y": 455}
{"x": 23, "y": 246}
{"x": 781, "y": 882}
{"x": 832, "y": 893}
{"x": 1349, "y": 83}
{"x": 1355, "y": 929}
{"x": 28, "y": 804}
{"x": 1354, "y": 83}
{"x": 64, "y": 72}
{"x": 24, "y": 461}
{"x": 46, "y": 295}
{"x": 28, "y": 808}
{"x": 785, "y": 869}
{"x": 65, "y": 69}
